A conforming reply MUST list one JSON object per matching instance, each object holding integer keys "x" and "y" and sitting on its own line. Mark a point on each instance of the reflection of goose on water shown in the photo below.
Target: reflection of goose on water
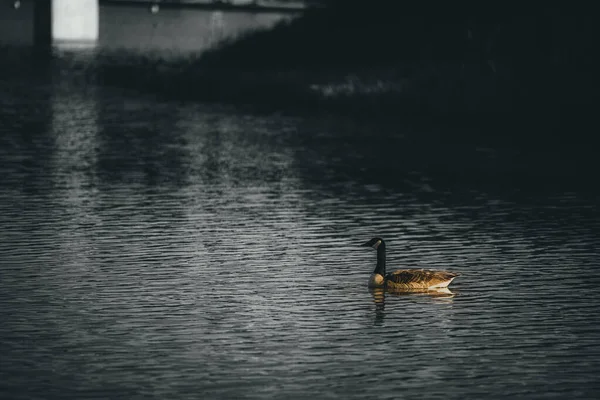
{"x": 405, "y": 279}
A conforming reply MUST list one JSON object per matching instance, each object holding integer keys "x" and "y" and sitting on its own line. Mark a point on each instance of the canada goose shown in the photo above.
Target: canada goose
{"x": 405, "y": 279}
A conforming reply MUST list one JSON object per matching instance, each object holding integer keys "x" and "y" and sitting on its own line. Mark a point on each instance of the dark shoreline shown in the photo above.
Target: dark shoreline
{"x": 313, "y": 66}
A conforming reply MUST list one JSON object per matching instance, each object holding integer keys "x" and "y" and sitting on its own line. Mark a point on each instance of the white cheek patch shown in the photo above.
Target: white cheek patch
{"x": 376, "y": 245}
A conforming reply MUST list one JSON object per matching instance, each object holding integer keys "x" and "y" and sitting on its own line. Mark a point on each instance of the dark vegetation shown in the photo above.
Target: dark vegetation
{"x": 444, "y": 61}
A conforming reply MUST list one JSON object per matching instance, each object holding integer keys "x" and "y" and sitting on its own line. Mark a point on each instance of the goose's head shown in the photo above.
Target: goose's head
{"x": 374, "y": 243}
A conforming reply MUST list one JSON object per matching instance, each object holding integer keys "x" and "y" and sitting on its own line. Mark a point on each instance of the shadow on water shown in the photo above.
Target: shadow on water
{"x": 379, "y": 298}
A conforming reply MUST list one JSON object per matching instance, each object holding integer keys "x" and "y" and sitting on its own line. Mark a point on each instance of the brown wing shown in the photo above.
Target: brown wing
{"x": 418, "y": 277}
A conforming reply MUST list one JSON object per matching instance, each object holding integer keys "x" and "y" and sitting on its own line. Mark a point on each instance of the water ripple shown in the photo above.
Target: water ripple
{"x": 159, "y": 250}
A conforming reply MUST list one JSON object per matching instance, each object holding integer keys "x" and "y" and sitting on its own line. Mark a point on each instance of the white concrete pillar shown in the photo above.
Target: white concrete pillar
{"x": 75, "y": 20}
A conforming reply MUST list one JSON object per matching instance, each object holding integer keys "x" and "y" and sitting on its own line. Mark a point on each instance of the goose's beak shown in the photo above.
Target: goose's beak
{"x": 367, "y": 244}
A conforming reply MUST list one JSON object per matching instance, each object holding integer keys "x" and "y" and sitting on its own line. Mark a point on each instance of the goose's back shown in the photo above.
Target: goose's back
{"x": 419, "y": 279}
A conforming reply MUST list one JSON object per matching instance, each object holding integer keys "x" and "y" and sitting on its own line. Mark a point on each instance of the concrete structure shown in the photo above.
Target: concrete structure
{"x": 75, "y": 20}
{"x": 41, "y": 22}
{"x": 130, "y": 25}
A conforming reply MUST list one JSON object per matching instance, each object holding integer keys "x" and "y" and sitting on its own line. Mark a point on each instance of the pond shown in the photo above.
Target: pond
{"x": 152, "y": 248}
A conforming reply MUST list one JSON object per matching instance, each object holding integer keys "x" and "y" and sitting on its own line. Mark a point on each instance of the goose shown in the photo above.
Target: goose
{"x": 405, "y": 279}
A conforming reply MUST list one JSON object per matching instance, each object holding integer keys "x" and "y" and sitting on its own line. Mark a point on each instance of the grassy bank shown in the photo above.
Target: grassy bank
{"x": 450, "y": 63}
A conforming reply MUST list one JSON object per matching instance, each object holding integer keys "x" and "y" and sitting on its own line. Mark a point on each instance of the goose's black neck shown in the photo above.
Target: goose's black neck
{"x": 380, "y": 268}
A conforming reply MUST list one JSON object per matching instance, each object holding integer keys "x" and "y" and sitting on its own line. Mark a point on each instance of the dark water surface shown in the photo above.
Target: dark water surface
{"x": 157, "y": 249}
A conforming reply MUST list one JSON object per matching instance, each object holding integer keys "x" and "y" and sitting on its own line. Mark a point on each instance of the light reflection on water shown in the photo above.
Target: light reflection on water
{"x": 170, "y": 250}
